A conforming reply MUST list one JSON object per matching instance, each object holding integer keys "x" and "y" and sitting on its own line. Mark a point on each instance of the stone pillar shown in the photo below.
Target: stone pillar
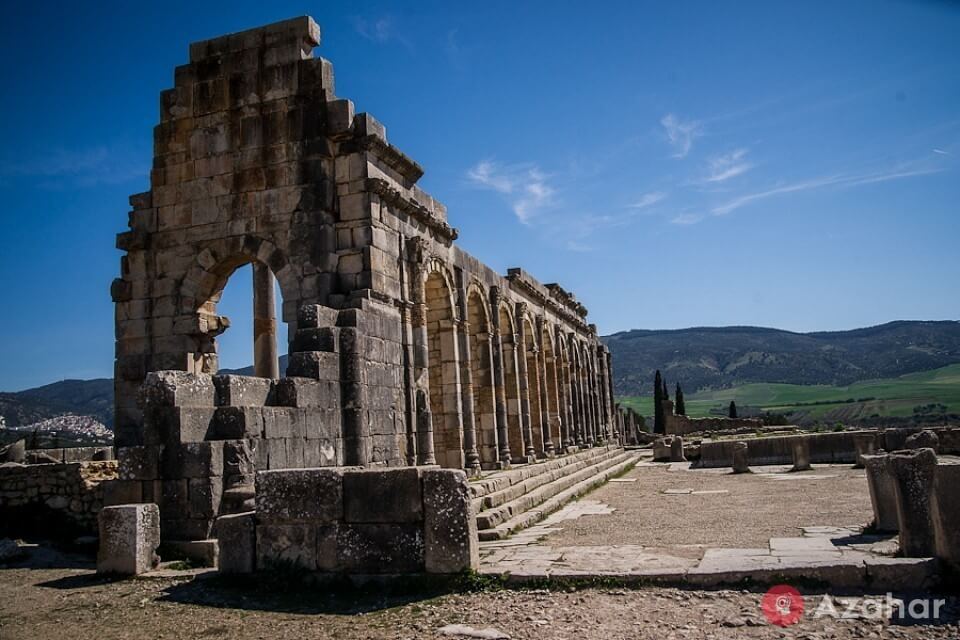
{"x": 129, "y": 537}
{"x": 580, "y": 414}
{"x": 266, "y": 363}
{"x": 467, "y": 395}
{"x": 913, "y": 473}
{"x": 421, "y": 352}
{"x": 521, "y": 353}
{"x": 467, "y": 406}
{"x": 544, "y": 396}
{"x": 352, "y": 391}
{"x": 800, "y": 449}
{"x": 883, "y": 492}
{"x": 676, "y": 450}
{"x": 741, "y": 460}
{"x": 500, "y": 385}
{"x": 865, "y": 444}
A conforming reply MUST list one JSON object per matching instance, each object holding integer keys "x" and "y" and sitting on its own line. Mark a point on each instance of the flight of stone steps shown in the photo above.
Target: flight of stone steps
{"x": 507, "y": 501}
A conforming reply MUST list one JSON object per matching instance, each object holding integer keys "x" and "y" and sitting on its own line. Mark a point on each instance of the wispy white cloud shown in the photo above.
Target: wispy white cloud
{"x": 942, "y": 152}
{"x": 850, "y": 180}
{"x": 381, "y": 30}
{"x": 680, "y": 134}
{"x": 648, "y": 199}
{"x": 728, "y": 165}
{"x": 526, "y": 187}
{"x": 686, "y": 219}
{"x": 69, "y": 168}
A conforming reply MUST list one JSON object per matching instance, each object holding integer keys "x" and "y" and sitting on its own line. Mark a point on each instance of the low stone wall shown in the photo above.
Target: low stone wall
{"x": 682, "y": 425}
{"x": 76, "y": 454}
{"x": 825, "y": 448}
{"x": 354, "y": 521}
{"x": 53, "y": 499}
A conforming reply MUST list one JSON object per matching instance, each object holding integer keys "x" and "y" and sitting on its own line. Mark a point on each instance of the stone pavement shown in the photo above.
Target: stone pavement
{"x": 842, "y": 556}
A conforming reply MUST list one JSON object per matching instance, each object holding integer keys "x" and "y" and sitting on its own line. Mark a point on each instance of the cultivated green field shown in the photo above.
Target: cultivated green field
{"x": 890, "y": 397}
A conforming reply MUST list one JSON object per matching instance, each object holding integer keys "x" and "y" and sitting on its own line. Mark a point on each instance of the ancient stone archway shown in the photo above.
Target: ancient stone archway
{"x": 444, "y": 374}
{"x": 551, "y": 383}
{"x": 535, "y": 442}
{"x": 509, "y": 340}
{"x": 481, "y": 367}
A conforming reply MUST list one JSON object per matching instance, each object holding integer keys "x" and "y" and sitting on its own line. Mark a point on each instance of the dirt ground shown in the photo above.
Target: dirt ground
{"x": 51, "y": 603}
{"x": 755, "y": 508}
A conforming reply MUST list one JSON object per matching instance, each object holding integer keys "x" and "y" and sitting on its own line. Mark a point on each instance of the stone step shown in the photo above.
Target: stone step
{"x": 499, "y": 523}
{"x": 501, "y": 480}
{"x": 547, "y": 473}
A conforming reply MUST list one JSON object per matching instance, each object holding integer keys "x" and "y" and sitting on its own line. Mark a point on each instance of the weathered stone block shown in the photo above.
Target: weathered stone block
{"x": 243, "y": 391}
{"x": 800, "y": 451}
{"x": 237, "y": 422}
{"x": 166, "y": 425}
{"x": 129, "y": 537}
{"x": 945, "y": 507}
{"x": 117, "y": 492}
{"x": 389, "y": 495}
{"x": 676, "y": 450}
{"x": 237, "y": 534}
{"x": 300, "y": 495}
{"x": 883, "y": 491}
{"x": 380, "y": 548}
{"x": 281, "y": 422}
{"x": 192, "y": 460}
{"x": 306, "y": 392}
{"x": 741, "y": 459}
{"x": 204, "y": 496}
{"x": 178, "y": 389}
{"x": 913, "y": 471}
{"x": 319, "y": 365}
{"x": 287, "y": 544}
{"x": 450, "y": 528}
{"x": 138, "y": 463}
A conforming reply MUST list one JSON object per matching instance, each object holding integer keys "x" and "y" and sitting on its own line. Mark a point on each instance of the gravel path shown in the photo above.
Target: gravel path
{"x": 70, "y": 603}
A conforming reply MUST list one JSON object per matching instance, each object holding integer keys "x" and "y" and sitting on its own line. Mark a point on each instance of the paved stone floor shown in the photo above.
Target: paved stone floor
{"x": 657, "y": 522}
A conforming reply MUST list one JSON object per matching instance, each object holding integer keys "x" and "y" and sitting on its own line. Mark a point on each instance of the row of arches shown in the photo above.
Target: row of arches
{"x": 504, "y": 384}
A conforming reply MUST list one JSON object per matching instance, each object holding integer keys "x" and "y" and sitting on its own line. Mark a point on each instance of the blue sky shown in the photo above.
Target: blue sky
{"x": 792, "y": 165}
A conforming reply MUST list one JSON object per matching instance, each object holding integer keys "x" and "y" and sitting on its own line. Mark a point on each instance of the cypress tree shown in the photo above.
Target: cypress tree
{"x": 732, "y": 412}
{"x": 679, "y": 408}
{"x": 658, "y": 388}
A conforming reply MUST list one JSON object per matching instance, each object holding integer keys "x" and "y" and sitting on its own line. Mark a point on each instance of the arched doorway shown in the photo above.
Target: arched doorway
{"x": 552, "y": 383}
{"x": 533, "y": 386}
{"x": 481, "y": 367}
{"x": 444, "y": 374}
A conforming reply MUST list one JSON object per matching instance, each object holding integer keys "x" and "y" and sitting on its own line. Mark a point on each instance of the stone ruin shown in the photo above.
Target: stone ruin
{"x": 404, "y": 350}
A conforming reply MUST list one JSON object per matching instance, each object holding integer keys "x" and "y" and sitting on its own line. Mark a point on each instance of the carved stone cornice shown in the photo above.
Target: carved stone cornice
{"x": 414, "y": 209}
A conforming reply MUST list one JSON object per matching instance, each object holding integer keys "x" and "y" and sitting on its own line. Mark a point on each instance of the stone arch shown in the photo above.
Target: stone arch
{"x": 511, "y": 351}
{"x": 443, "y": 369}
{"x": 202, "y": 288}
{"x": 531, "y": 353}
{"x": 563, "y": 388}
{"x": 480, "y": 330}
{"x": 579, "y": 399}
{"x": 552, "y": 384}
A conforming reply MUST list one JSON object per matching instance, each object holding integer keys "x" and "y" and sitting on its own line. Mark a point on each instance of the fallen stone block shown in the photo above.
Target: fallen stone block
{"x": 129, "y": 537}
{"x": 741, "y": 459}
{"x": 237, "y": 535}
{"x": 676, "y": 450}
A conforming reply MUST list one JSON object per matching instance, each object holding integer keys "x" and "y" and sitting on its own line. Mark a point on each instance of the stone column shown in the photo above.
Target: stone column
{"x": 913, "y": 473}
{"x": 466, "y": 394}
{"x": 579, "y": 406}
{"x": 521, "y": 353}
{"x": 266, "y": 364}
{"x": 499, "y": 383}
{"x": 421, "y": 352}
{"x": 544, "y": 396}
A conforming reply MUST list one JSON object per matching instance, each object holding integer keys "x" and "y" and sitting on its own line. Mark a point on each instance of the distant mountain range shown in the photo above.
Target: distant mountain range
{"x": 698, "y": 358}
{"x": 720, "y": 357}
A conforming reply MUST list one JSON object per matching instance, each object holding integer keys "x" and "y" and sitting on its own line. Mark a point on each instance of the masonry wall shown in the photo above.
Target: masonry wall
{"x": 257, "y": 161}
{"x": 42, "y": 496}
{"x": 676, "y": 425}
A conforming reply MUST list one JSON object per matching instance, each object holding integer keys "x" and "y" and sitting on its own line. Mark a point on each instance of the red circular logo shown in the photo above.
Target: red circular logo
{"x": 782, "y": 605}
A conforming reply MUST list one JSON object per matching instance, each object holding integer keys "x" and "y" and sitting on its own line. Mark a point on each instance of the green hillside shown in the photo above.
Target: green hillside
{"x": 933, "y": 392}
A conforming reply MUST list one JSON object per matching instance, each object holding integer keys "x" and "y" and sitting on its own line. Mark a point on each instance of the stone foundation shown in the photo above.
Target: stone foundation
{"x": 354, "y": 521}
{"x": 36, "y": 498}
